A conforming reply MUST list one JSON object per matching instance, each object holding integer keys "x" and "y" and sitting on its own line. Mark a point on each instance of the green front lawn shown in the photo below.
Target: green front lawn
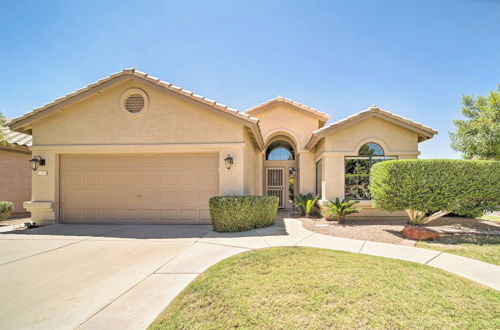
{"x": 297, "y": 288}
{"x": 490, "y": 218}
{"x": 480, "y": 247}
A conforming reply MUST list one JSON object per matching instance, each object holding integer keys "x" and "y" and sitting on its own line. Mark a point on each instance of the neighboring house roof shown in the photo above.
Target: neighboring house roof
{"x": 424, "y": 132}
{"x": 16, "y": 140}
{"x": 322, "y": 117}
{"x": 21, "y": 123}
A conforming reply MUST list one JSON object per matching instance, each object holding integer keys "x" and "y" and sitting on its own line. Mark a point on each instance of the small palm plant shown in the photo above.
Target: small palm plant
{"x": 305, "y": 202}
{"x": 340, "y": 208}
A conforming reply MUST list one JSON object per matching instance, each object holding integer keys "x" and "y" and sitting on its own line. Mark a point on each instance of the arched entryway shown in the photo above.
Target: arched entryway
{"x": 280, "y": 169}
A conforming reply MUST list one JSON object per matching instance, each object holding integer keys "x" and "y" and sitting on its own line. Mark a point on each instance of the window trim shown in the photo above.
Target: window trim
{"x": 319, "y": 178}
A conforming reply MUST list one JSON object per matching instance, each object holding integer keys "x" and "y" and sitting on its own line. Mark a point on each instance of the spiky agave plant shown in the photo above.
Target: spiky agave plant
{"x": 340, "y": 208}
{"x": 305, "y": 202}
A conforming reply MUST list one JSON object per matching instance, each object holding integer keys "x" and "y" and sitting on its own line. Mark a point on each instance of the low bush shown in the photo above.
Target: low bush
{"x": 5, "y": 210}
{"x": 241, "y": 213}
{"x": 430, "y": 188}
{"x": 306, "y": 203}
{"x": 340, "y": 209}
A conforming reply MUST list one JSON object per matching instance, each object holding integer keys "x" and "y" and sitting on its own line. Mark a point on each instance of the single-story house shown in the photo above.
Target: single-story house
{"x": 132, "y": 148}
{"x": 15, "y": 172}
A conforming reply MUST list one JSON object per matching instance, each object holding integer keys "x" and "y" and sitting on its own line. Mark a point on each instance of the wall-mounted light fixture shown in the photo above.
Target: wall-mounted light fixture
{"x": 229, "y": 161}
{"x": 36, "y": 162}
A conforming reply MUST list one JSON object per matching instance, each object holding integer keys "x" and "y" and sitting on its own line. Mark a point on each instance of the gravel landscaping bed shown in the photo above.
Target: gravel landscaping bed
{"x": 388, "y": 230}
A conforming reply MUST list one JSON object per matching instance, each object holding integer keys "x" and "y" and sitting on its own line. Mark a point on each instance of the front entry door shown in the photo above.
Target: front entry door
{"x": 275, "y": 184}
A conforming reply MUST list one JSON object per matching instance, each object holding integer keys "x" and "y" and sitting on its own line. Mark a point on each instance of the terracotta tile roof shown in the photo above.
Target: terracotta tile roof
{"x": 17, "y": 122}
{"x": 17, "y": 138}
{"x": 425, "y": 132}
{"x": 323, "y": 117}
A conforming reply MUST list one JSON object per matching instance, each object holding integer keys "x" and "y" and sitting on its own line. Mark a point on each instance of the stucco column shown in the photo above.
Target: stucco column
{"x": 44, "y": 204}
{"x": 259, "y": 189}
{"x": 307, "y": 172}
{"x": 231, "y": 181}
{"x": 333, "y": 177}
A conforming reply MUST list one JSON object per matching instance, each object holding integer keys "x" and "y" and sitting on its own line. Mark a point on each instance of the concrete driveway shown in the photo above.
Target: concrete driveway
{"x": 62, "y": 276}
{"x": 123, "y": 276}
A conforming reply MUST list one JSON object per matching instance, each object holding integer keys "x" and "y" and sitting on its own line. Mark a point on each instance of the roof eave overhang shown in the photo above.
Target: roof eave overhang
{"x": 422, "y": 133}
{"x": 23, "y": 124}
{"x": 323, "y": 118}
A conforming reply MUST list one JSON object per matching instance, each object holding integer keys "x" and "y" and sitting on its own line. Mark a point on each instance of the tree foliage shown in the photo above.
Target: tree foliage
{"x": 436, "y": 187}
{"x": 478, "y": 136}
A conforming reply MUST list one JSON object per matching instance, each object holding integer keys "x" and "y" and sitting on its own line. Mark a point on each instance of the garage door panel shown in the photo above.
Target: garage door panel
{"x": 72, "y": 162}
{"x": 188, "y": 214}
{"x": 137, "y": 189}
{"x": 89, "y": 178}
{"x": 204, "y": 214}
{"x": 151, "y": 215}
{"x": 89, "y": 162}
{"x": 91, "y": 215}
{"x": 72, "y": 213}
{"x": 209, "y": 161}
{"x": 170, "y": 161}
{"x": 169, "y": 214}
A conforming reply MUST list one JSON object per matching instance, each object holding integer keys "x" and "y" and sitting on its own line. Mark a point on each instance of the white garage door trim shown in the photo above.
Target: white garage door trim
{"x": 137, "y": 188}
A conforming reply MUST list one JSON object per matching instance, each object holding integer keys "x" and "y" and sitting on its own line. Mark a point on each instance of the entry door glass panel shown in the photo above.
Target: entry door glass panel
{"x": 275, "y": 184}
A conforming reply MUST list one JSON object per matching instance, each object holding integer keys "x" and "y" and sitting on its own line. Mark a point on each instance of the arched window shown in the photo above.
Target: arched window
{"x": 280, "y": 150}
{"x": 371, "y": 149}
{"x": 357, "y": 169}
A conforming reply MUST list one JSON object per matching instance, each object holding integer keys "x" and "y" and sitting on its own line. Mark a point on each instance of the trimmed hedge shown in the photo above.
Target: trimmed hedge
{"x": 5, "y": 210}
{"x": 465, "y": 187}
{"x": 241, "y": 213}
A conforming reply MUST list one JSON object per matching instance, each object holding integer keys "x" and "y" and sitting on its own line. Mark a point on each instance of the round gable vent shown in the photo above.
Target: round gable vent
{"x": 134, "y": 103}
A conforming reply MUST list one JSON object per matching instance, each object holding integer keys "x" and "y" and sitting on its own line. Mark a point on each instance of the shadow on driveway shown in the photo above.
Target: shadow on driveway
{"x": 137, "y": 231}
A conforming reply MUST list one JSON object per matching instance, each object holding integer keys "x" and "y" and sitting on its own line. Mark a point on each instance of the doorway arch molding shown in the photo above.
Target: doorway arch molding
{"x": 284, "y": 132}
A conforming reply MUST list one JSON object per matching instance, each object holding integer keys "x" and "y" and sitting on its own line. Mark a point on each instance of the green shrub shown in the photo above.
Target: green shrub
{"x": 5, "y": 210}
{"x": 241, "y": 213}
{"x": 436, "y": 186}
{"x": 306, "y": 202}
{"x": 340, "y": 209}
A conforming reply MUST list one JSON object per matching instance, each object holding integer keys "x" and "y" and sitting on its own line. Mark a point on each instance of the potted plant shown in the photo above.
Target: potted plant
{"x": 340, "y": 209}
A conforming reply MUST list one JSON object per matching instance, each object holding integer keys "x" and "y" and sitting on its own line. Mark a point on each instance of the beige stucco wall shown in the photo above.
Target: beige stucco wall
{"x": 282, "y": 118}
{"x": 285, "y": 120}
{"x": 395, "y": 140}
{"x": 170, "y": 124}
{"x": 392, "y": 138}
{"x": 101, "y": 120}
{"x": 15, "y": 178}
{"x": 252, "y": 168}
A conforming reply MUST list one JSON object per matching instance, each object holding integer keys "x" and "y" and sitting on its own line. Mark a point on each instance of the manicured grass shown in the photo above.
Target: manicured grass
{"x": 297, "y": 288}
{"x": 490, "y": 217}
{"x": 480, "y": 247}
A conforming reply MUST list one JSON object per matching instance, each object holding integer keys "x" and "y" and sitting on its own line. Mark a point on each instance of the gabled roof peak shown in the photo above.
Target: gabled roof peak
{"x": 18, "y": 123}
{"x": 423, "y": 132}
{"x": 321, "y": 116}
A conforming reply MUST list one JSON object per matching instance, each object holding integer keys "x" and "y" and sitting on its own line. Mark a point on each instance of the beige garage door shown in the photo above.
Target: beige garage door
{"x": 137, "y": 188}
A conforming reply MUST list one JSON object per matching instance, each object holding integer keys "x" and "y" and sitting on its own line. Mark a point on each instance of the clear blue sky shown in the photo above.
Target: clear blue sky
{"x": 414, "y": 58}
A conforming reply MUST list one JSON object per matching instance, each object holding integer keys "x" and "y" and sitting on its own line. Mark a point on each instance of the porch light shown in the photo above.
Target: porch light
{"x": 36, "y": 162}
{"x": 229, "y": 161}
